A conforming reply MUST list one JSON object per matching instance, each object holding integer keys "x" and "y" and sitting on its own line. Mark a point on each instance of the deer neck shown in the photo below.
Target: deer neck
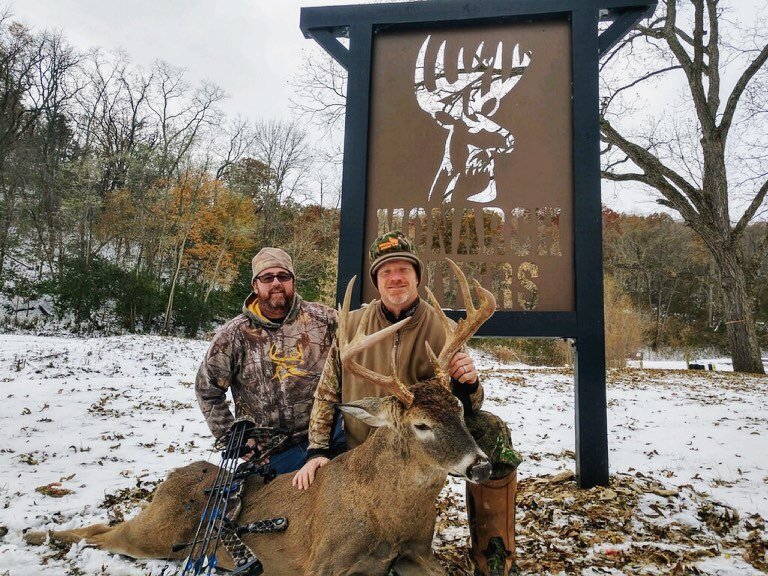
{"x": 386, "y": 459}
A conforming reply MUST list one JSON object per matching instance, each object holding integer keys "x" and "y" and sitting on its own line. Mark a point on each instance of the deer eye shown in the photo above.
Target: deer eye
{"x": 422, "y": 427}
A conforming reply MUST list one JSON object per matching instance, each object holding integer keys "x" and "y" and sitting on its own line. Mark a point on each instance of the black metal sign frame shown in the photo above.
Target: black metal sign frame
{"x": 585, "y": 326}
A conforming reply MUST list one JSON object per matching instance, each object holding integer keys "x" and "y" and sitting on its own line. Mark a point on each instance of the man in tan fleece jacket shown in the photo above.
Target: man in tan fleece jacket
{"x": 396, "y": 272}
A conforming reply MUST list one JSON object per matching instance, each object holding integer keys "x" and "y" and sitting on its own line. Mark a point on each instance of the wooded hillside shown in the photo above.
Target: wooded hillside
{"x": 132, "y": 202}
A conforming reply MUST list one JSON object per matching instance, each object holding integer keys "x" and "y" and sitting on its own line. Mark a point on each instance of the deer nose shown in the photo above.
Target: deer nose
{"x": 480, "y": 470}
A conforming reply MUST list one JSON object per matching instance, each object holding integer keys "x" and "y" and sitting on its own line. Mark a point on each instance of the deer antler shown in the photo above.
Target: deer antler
{"x": 502, "y": 81}
{"x": 457, "y": 336}
{"x": 349, "y": 349}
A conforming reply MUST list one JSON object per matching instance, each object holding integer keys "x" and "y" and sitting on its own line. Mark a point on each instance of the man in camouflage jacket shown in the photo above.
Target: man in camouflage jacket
{"x": 270, "y": 357}
{"x": 396, "y": 272}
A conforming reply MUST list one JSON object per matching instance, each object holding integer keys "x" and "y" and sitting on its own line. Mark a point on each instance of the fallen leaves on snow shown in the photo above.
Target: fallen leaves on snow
{"x": 54, "y": 490}
{"x": 635, "y": 525}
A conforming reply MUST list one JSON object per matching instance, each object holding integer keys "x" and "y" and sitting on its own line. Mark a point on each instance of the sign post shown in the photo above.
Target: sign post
{"x": 473, "y": 128}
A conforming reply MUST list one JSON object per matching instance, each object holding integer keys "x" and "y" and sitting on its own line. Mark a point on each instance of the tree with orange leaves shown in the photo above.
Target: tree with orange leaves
{"x": 220, "y": 239}
{"x": 187, "y": 198}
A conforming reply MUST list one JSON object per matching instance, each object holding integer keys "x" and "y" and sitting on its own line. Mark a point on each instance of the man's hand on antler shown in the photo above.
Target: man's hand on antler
{"x": 462, "y": 368}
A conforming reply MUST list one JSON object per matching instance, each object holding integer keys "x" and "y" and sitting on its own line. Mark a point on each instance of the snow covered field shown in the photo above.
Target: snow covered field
{"x": 91, "y": 425}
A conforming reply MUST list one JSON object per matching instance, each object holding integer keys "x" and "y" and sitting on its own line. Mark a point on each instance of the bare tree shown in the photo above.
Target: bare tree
{"x": 233, "y": 144}
{"x": 53, "y": 93}
{"x": 637, "y": 255}
{"x": 701, "y": 157}
{"x": 16, "y": 65}
{"x": 284, "y": 147}
{"x": 181, "y": 115}
{"x": 320, "y": 88}
{"x": 118, "y": 137}
{"x": 113, "y": 117}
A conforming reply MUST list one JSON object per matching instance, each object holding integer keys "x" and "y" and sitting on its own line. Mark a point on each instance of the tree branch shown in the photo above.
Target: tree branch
{"x": 685, "y": 36}
{"x": 713, "y": 51}
{"x": 692, "y": 68}
{"x": 607, "y": 101}
{"x": 659, "y": 175}
{"x": 738, "y": 90}
{"x": 625, "y": 177}
{"x": 698, "y": 38}
{"x": 750, "y": 212}
{"x": 650, "y": 30}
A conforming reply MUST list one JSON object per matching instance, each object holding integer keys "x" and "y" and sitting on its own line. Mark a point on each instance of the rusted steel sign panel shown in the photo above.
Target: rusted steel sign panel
{"x": 470, "y": 140}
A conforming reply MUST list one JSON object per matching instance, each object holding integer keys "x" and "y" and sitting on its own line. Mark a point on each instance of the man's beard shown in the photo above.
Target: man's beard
{"x": 276, "y": 302}
{"x": 400, "y": 298}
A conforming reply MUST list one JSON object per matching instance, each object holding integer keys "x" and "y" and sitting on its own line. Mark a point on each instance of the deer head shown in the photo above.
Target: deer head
{"x": 465, "y": 108}
{"x": 427, "y": 418}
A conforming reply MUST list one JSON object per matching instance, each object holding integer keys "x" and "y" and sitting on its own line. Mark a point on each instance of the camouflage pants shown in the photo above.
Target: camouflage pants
{"x": 492, "y": 435}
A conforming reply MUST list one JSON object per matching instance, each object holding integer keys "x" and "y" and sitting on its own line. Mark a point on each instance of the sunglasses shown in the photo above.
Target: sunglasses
{"x": 282, "y": 277}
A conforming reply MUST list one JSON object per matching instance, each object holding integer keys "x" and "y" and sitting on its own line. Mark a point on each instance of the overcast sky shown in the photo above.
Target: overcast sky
{"x": 250, "y": 48}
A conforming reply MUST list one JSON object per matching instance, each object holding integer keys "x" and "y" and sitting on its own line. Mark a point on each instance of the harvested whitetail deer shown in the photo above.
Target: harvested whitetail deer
{"x": 368, "y": 510}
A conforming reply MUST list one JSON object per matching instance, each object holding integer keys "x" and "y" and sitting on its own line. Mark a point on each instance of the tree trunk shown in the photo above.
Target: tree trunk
{"x": 8, "y": 207}
{"x": 169, "y": 307}
{"x": 711, "y": 296}
{"x": 211, "y": 284}
{"x": 3, "y": 245}
{"x": 657, "y": 332}
{"x": 738, "y": 313}
{"x": 737, "y": 297}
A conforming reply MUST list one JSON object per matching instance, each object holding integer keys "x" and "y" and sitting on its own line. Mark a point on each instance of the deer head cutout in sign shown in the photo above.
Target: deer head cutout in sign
{"x": 465, "y": 108}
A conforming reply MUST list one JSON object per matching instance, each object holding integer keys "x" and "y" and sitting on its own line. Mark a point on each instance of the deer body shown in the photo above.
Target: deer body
{"x": 367, "y": 509}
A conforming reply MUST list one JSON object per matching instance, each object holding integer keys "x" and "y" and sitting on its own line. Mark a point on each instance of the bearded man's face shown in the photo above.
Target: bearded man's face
{"x": 275, "y": 297}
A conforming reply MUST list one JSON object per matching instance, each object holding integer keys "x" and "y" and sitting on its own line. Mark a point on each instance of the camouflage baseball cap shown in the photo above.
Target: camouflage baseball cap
{"x": 393, "y": 245}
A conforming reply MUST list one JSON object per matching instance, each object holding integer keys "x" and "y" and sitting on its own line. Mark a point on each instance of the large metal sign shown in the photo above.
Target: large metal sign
{"x": 460, "y": 159}
{"x": 473, "y": 127}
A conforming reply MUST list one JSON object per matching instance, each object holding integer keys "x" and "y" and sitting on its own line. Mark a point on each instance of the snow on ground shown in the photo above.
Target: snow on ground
{"x": 706, "y": 429}
{"x": 98, "y": 416}
{"x": 701, "y": 434}
{"x": 100, "y": 421}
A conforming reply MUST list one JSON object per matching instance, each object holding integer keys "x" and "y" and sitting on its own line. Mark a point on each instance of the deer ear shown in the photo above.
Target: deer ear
{"x": 375, "y": 412}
